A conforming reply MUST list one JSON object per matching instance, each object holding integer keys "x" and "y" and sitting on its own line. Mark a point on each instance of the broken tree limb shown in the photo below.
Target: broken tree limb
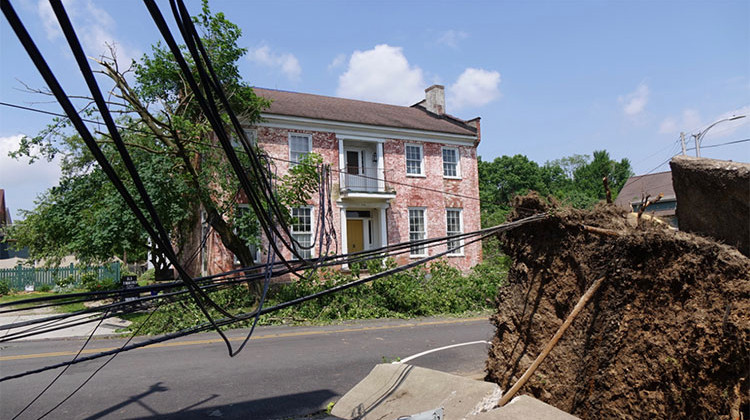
{"x": 605, "y": 181}
{"x": 600, "y": 231}
{"x": 551, "y": 344}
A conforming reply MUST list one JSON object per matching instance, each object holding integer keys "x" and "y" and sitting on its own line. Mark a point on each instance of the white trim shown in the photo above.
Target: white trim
{"x": 458, "y": 162}
{"x": 422, "y": 169}
{"x": 383, "y": 227}
{"x": 289, "y": 142}
{"x": 372, "y": 132}
{"x": 362, "y": 204}
{"x": 311, "y": 233}
{"x": 424, "y": 222}
{"x": 360, "y": 138}
{"x": 460, "y": 211}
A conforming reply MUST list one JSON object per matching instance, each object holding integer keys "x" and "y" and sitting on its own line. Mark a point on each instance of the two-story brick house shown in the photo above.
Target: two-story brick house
{"x": 401, "y": 173}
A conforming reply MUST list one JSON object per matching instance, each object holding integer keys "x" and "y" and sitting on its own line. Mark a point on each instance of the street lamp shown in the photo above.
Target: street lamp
{"x": 699, "y": 137}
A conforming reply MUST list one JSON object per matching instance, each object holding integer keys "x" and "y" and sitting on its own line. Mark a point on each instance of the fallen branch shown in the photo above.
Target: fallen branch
{"x": 605, "y": 181}
{"x": 530, "y": 371}
{"x": 645, "y": 203}
{"x": 600, "y": 231}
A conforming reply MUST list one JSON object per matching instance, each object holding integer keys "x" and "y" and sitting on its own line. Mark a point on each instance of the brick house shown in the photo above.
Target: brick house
{"x": 393, "y": 166}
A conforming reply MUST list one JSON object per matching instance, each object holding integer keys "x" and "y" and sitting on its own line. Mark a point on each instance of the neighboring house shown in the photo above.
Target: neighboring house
{"x": 637, "y": 187}
{"x": 6, "y": 250}
{"x": 401, "y": 173}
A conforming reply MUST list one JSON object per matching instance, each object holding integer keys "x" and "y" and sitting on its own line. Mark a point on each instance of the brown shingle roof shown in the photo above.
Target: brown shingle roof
{"x": 361, "y": 112}
{"x": 653, "y": 184}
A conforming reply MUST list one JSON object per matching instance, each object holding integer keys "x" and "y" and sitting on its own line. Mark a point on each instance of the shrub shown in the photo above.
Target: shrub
{"x": 91, "y": 282}
{"x": 66, "y": 282}
{"x": 45, "y": 288}
{"x": 4, "y": 287}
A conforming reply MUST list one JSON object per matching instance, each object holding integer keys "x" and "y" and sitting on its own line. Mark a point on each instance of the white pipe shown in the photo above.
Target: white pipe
{"x": 410, "y": 358}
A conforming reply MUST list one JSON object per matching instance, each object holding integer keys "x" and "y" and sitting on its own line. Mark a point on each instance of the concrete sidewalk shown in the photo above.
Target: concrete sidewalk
{"x": 393, "y": 391}
{"x": 107, "y": 327}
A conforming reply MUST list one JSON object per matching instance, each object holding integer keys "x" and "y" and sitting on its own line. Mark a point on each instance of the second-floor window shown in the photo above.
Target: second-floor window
{"x": 450, "y": 163}
{"x": 302, "y": 230}
{"x": 417, "y": 231}
{"x": 299, "y": 145}
{"x": 414, "y": 160}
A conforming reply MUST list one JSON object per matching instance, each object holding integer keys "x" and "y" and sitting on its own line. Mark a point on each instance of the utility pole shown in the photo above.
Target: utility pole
{"x": 682, "y": 140}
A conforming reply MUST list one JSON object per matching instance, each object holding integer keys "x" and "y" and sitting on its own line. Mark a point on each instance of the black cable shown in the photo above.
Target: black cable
{"x": 226, "y": 321}
{"x": 62, "y": 372}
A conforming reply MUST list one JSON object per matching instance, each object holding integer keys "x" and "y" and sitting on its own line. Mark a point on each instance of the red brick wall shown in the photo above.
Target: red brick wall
{"x": 410, "y": 191}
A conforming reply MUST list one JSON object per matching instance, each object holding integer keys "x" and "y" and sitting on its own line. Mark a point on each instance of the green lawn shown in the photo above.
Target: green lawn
{"x": 15, "y": 297}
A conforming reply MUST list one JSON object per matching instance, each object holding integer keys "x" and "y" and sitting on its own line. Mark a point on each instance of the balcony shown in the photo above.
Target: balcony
{"x": 365, "y": 182}
{"x": 361, "y": 170}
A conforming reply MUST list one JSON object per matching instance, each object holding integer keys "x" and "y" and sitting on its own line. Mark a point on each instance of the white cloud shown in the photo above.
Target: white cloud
{"x": 93, "y": 25}
{"x": 47, "y": 16}
{"x": 382, "y": 74}
{"x": 451, "y": 38}
{"x": 635, "y": 102}
{"x": 474, "y": 87}
{"x": 337, "y": 61}
{"x": 669, "y": 125}
{"x": 286, "y": 62}
{"x": 689, "y": 120}
{"x": 23, "y": 182}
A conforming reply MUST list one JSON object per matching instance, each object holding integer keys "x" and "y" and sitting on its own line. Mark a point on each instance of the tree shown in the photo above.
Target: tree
{"x": 174, "y": 149}
{"x": 574, "y": 180}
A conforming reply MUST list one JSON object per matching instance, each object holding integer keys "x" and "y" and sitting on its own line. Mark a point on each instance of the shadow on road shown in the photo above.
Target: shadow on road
{"x": 282, "y": 406}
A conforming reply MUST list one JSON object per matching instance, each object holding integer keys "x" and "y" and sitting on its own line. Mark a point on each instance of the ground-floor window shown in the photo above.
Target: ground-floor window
{"x": 417, "y": 231}
{"x": 453, "y": 226}
{"x": 302, "y": 230}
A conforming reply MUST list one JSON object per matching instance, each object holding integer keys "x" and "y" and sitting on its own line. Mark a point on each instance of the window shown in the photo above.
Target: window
{"x": 450, "y": 163}
{"x": 414, "y": 160}
{"x": 251, "y": 137}
{"x": 302, "y": 230}
{"x": 246, "y": 229}
{"x": 417, "y": 231}
{"x": 453, "y": 226}
{"x": 299, "y": 145}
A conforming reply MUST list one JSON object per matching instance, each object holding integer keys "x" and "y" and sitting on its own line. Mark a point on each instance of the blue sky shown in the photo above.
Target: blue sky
{"x": 549, "y": 79}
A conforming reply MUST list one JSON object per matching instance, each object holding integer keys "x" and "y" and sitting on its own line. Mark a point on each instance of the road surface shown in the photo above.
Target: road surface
{"x": 283, "y": 372}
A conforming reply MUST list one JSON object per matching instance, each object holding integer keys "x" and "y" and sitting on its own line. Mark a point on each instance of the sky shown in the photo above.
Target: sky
{"x": 548, "y": 78}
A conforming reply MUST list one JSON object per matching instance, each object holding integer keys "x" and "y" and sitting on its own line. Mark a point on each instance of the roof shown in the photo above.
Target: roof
{"x": 651, "y": 184}
{"x": 361, "y": 112}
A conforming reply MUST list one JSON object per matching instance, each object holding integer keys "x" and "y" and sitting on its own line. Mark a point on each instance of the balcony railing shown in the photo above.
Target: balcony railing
{"x": 364, "y": 180}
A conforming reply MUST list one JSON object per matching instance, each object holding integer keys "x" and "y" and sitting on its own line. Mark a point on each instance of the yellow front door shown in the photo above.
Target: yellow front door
{"x": 355, "y": 238}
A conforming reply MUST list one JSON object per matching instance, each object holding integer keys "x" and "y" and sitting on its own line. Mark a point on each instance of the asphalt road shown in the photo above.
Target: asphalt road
{"x": 283, "y": 372}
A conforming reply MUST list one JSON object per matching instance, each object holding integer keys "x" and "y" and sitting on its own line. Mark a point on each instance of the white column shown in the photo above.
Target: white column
{"x": 383, "y": 228}
{"x": 341, "y": 164}
{"x": 381, "y": 166}
{"x": 344, "y": 244}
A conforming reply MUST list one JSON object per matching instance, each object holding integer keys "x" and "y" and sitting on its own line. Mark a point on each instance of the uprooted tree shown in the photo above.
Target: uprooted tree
{"x": 183, "y": 167}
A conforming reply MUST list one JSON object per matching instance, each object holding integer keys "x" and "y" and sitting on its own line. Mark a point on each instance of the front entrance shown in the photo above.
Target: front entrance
{"x": 355, "y": 236}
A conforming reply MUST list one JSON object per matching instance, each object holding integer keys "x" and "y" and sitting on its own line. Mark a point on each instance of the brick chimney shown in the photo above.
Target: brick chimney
{"x": 435, "y": 99}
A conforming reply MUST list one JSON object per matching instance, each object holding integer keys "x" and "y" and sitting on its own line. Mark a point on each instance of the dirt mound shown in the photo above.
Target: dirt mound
{"x": 666, "y": 336}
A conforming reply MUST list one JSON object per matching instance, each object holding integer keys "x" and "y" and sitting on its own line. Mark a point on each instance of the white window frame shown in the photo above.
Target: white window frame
{"x": 251, "y": 135}
{"x": 258, "y": 249}
{"x": 459, "y": 250}
{"x": 458, "y": 162}
{"x": 421, "y": 159}
{"x": 422, "y": 248}
{"x": 307, "y": 253}
{"x": 292, "y": 159}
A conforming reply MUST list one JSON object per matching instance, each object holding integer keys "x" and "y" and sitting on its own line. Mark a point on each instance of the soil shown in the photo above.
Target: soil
{"x": 667, "y": 335}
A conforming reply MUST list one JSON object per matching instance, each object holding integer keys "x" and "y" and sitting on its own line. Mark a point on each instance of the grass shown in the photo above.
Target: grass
{"x": 15, "y": 297}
